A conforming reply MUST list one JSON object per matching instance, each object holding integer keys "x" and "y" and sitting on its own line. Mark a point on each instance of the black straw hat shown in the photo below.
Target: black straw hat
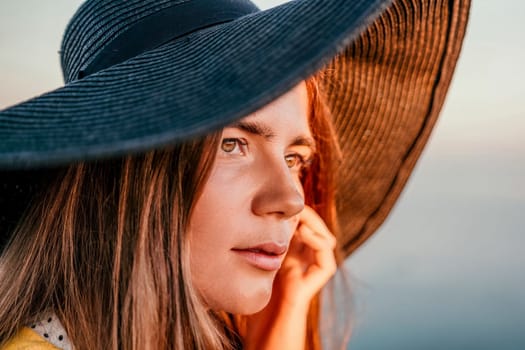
{"x": 142, "y": 74}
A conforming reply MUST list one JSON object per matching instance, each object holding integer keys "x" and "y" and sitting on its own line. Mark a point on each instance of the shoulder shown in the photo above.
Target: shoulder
{"x": 27, "y": 339}
{"x": 45, "y": 334}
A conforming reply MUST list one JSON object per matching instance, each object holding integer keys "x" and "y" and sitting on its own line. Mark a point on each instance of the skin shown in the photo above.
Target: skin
{"x": 309, "y": 264}
{"x": 254, "y": 195}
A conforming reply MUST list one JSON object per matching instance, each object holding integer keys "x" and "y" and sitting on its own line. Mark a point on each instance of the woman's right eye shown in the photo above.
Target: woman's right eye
{"x": 234, "y": 146}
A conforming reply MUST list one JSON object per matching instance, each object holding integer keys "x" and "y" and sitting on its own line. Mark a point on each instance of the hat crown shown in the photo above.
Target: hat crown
{"x": 97, "y": 23}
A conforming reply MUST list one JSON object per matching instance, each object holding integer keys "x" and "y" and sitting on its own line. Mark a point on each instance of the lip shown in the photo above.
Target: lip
{"x": 266, "y": 256}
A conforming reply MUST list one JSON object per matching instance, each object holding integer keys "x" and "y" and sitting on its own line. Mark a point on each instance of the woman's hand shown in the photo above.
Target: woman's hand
{"x": 310, "y": 261}
{"x": 307, "y": 267}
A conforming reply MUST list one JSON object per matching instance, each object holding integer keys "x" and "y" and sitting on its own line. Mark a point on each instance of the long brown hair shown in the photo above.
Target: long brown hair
{"x": 319, "y": 186}
{"x": 104, "y": 248}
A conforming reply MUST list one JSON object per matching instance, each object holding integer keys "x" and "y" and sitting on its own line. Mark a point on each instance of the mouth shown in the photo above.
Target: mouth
{"x": 266, "y": 256}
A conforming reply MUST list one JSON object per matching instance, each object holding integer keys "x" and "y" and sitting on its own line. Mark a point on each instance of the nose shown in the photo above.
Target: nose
{"x": 279, "y": 194}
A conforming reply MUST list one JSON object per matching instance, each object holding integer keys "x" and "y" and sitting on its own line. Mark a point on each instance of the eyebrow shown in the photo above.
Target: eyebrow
{"x": 305, "y": 141}
{"x": 255, "y": 127}
{"x": 264, "y": 130}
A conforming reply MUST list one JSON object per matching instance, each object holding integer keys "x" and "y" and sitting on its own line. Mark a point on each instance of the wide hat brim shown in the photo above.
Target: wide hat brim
{"x": 385, "y": 90}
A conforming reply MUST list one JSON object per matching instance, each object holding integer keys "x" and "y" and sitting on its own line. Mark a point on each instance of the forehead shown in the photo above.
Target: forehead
{"x": 289, "y": 114}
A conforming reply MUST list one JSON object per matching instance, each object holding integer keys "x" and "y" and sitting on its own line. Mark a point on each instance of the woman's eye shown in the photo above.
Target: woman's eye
{"x": 234, "y": 146}
{"x": 296, "y": 161}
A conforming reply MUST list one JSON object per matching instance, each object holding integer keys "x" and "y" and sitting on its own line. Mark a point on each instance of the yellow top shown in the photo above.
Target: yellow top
{"x": 27, "y": 339}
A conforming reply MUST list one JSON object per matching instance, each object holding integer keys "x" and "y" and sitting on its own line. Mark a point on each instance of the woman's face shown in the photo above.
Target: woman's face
{"x": 246, "y": 215}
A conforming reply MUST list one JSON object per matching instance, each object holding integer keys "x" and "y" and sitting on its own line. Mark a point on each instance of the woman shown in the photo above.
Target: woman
{"x": 177, "y": 167}
{"x": 141, "y": 208}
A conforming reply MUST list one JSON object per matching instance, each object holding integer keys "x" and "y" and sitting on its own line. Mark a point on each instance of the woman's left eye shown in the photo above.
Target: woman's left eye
{"x": 296, "y": 161}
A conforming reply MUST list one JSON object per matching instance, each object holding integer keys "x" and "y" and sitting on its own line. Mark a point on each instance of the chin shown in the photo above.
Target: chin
{"x": 245, "y": 299}
{"x": 253, "y": 306}
{"x": 242, "y": 307}
{"x": 255, "y": 294}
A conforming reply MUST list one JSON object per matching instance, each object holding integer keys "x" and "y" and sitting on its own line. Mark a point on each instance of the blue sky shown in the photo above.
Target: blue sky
{"x": 446, "y": 269}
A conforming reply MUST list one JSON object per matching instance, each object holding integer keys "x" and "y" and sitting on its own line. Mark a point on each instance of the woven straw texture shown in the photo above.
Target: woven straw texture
{"x": 385, "y": 92}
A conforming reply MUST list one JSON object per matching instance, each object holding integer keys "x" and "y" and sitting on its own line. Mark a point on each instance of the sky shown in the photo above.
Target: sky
{"x": 445, "y": 271}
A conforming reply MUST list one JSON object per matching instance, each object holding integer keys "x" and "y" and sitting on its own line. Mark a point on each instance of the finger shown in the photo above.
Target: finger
{"x": 317, "y": 277}
{"x": 324, "y": 264}
{"x": 322, "y": 252}
{"x": 296, "y": 247}
{"x": 312, "y": 240}
{"x": 305, "y": 243}
{"x": 311, "y": 219}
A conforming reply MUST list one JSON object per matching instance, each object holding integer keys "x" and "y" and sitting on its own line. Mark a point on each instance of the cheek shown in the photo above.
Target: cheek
{"x": 218, "y": 224}
{"x": 209, "y": 227}
{"x": 215, "y": 228}
{"x": 223, "y": 281}
{"x": 299, "y": 184}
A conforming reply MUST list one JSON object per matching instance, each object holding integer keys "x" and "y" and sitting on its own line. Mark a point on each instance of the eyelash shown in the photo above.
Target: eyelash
{"x": 242, "y": 144}
{"x": 304, "y": 163}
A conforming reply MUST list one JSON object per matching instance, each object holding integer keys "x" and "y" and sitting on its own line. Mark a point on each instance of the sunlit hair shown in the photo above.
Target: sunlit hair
{"x": 319, "y": 186}
{"x": 105, "y": 248}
